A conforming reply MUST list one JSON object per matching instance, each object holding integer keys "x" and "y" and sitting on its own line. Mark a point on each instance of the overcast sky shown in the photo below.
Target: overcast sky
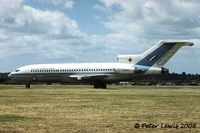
{"x": 65, "y": 31}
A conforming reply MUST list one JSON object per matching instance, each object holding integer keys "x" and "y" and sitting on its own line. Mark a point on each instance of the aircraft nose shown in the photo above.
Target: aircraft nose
{"x": 11, "y": 76}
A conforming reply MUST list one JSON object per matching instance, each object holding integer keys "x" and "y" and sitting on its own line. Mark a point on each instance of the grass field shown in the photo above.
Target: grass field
{"x": 76, "y": 108}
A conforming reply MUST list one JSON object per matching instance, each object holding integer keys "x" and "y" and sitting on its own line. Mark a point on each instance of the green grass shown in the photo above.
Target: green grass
{"x": 77, "y": 108}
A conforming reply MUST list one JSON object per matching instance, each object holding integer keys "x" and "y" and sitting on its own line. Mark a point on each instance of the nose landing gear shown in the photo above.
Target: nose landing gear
{"x": 27, "y": 86}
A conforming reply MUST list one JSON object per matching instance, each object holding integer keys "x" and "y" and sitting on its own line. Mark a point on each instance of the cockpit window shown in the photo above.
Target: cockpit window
{"x": 17, "y": 70}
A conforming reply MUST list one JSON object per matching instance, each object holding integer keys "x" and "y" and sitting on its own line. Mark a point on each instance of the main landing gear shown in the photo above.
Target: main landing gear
{"x": 27, "y": 86}
{"x": 100, "y": 85}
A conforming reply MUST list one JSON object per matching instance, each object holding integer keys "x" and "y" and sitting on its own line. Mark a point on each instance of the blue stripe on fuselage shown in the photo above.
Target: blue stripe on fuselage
{"x": 159, "y": 53}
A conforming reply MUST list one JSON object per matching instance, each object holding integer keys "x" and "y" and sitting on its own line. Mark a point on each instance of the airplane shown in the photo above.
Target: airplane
{"x": 126, "y": 68}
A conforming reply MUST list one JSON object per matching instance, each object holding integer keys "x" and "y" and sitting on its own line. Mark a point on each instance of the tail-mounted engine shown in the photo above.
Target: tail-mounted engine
{"x": 128, "y": 70}
{"x": 165, "y": 71}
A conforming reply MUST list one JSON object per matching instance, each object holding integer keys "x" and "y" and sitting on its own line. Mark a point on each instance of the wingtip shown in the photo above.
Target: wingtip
{"x": 189, "y": 43}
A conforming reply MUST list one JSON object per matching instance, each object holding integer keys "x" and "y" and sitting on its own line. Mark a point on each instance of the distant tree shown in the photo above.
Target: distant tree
{"x": 183, "y": 73}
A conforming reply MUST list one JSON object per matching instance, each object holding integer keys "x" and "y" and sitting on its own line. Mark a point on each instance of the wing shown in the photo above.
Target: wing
{"x": 89, "y": 76}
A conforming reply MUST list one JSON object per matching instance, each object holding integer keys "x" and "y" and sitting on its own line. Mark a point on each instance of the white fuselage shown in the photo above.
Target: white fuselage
{"x": 107, "y": 72}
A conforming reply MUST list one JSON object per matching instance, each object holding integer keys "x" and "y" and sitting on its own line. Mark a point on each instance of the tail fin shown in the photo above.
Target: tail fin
{"x": 160, "y": 53}
{"x": 156, "y": 56}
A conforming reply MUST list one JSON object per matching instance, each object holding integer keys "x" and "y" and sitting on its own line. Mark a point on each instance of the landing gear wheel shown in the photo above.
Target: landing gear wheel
{"x": 96, "y": 86}
{"x": 28, "y": 86}
{"x": 100, "y": 85}
{"x": 103, "y": 86}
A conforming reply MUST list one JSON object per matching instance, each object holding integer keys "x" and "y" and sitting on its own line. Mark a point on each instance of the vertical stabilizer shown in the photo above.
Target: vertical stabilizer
{"x": 160, "y": 53}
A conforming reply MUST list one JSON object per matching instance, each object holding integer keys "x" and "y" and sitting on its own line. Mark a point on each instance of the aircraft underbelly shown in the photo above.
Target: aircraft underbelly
{"x": 66, "y": 78}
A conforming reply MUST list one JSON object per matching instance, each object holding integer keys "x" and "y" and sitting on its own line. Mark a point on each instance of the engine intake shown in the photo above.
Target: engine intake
{"x": 165, "y": 71}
